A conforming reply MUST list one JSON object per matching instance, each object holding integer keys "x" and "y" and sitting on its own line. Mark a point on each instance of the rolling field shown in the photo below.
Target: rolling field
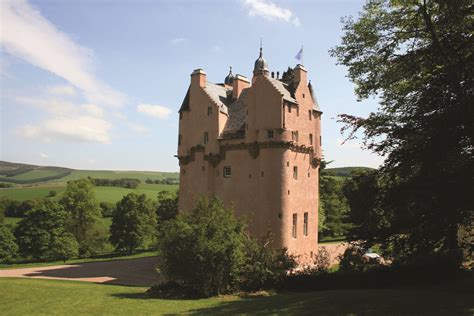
{"x": 103, "y": 194}
{"x": 54, "y": 297}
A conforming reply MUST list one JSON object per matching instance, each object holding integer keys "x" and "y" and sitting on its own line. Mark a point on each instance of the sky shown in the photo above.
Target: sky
{"x": 98, "y": 84}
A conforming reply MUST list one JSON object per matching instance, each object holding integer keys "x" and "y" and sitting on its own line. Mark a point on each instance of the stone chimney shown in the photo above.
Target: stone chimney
{"x": 240, "y": 83}
{"x": 301, "y": 74}
{"x": 198, "y": 78}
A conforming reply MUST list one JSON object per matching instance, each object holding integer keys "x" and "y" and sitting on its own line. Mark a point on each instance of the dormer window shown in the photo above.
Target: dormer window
{"x": 270, "y": 134}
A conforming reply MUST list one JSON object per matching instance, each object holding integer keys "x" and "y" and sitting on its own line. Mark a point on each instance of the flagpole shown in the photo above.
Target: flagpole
{"x": 302, "y": 55}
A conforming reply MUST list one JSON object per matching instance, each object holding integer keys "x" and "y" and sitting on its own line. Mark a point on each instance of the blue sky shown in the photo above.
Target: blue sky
{"x": 97, "y": 84}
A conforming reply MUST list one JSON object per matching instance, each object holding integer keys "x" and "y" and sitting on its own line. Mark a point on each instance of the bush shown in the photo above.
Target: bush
{"x": 203, "y": 249}
{"x": 322, "y": 260}
{"x": 52, "y": 193}
{"x": 107, "y": 209}
{"x": 8, "y": 247}
{"x": 264, "y": 266}
{"x": 14, "y": 208}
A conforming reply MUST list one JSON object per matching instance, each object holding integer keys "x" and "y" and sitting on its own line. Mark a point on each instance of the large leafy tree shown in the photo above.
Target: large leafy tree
{"x": 133, "y": 223}
{"x": 38, "y": 232}
{"x": 417, "y": 58}
{"x": 8, "y": 246}
{"x": 84, "y": 212}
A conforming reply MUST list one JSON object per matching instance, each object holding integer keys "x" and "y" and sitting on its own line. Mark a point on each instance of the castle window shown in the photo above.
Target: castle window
{"x": 270, "y": 133}
{"x": 179, "y": 139}
{"x": 305, "y": 224}
{"x": 309, "y": 174}
{"x": 203, "y": 168}
{"x": 295, "y": 172}
{"x": 320, "y": 140}
{"x": 294, "y": 136}
{"x": 295, "y": 220}
{"x": 250, "y": 176}
{"x": 311, "y": 139}
{"x": 262, "y": 173}
{"x": 206, "y": 137}
{"x": 209, "y": 111}
{"x": 297, "y": 111}
{"x": 303, "y": 95}
{"x": 310, "y": 116}
{"x": 287, "y": 163}
{"x": 227, "y": 172}
{"x": 289, "y": 108}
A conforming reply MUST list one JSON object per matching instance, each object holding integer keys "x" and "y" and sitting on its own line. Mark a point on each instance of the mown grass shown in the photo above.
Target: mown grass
{"x": 37, "y": 173}
{"x": 102, "y": 257}
{"x": 110, "y": 174}
{"x": 53, "y": 297}
{"x": 103, "y": 194}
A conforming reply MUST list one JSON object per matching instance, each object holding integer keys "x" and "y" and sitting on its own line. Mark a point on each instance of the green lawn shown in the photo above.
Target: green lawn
{"x": 103, "y": 194}
{"x": 52, "y": 297}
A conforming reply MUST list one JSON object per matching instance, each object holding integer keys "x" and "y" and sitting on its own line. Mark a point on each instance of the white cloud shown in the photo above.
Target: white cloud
{"x": 270, "y": 11}
{"x": 78, "y": 129}
{"x": 120, "y": 116}
{"x": 92, "y": 109}
{"x": 44, "y": 156}
{"x": 26, "y": 34}
{"x": 137, "y": 128}
{"x": 50, "y": 105}
{"x": 65, "y": 90}
{"x": 178, "y": 40}
{"x": 156, "y": 111}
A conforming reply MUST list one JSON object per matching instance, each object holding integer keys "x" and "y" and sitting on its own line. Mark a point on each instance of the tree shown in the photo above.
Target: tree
{"x": 334, "y": 205}
{"x": 417, "y": 58}
{"x": 8, "y": 247}
{"x": 65, "y": 247}
{"x": 133, "y": 223}
{"x": 2, "y": 212}
{"x": 84, "y": 212}
{"x": 106, "y": 209}
{"x": 203, "y": 248}
{"x": 37, "y": 233}
{"x": 167, "y": 205}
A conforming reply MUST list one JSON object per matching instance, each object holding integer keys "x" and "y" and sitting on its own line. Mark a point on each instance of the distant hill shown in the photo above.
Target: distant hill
{"x": 344, "y": 171}
{"x": 31, "y": 174}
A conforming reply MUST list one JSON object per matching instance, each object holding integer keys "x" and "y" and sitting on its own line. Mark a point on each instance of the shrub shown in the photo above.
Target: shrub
{"x": 8, "y": 247}
{"x": 322, "y": 260}
{"x": 264, "y": 266}
{"x": 52, "y": 193}
{"x": 203, "y": 249}
{"x": 106, "y": 209}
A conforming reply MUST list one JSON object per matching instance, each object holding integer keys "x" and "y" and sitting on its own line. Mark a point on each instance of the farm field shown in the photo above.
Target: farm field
{"x": 33, "y": 297}
{"x": 103, "y": 194}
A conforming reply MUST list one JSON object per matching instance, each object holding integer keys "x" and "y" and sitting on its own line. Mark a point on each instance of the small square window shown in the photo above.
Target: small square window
{"x": 227, "y": 172}
{"x": 270, "y": 133}
{"x": 209, "y": 111}
{"x": 295, "y": 172}
{"x": 287, "y": 163}
{"x": 303, "y": 95}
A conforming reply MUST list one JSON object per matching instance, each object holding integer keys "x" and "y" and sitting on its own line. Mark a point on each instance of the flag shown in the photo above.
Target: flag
{"x": 299, "y": 56}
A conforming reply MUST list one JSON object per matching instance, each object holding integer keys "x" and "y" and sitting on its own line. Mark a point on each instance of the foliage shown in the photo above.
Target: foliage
{"x": 264, "y": 266}
{"x": 167, "y": 205}
{"x": 52, "y": 193}
{"x": 163, "y": 181}
{"x": 8, "y": 246}
{"x": 37, "y": 233}
{"x": 203, "y": 248}
{"x": 106, "y": 209}
{"x": 65, "y": 247}
{"x": 352, "y": 260}
{"x": 334, "y": 205}
{"x": 322, "y": 260}
{"x": 133, "y": 223}
{"x": 2, "y": 212}
{"x": 6, "y": 185}
{"x": 14, "y": 208}
{"x": 123, "y": 182}
{"x": 83, "y": 212}
{"x": 417, "y": 59}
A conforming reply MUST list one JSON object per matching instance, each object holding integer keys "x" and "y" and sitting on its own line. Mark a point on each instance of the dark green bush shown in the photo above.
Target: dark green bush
{"x": 8, "y": 246}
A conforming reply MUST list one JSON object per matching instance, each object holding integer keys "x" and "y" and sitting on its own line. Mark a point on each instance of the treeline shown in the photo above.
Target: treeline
{"x": 128, "y": 183}
{"x": 71, "y": 227}
{"x": 168, "y": 181}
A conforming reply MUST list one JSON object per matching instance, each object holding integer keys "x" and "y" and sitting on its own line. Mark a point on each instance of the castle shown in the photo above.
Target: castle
{"x": 256, "y": 146}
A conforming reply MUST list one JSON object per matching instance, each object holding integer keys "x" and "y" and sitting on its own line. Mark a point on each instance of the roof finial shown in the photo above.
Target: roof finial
{"x": 230, "y": 70}
{"x": 261, "y": 54}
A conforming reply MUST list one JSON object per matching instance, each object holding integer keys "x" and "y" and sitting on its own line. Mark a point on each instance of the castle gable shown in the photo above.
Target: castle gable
{"x": 220, "y": 95}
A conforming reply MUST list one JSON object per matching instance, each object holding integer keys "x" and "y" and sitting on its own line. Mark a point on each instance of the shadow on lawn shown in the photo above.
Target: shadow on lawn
{"x": 133, "y": 272}
{"x": 363, "y": 302}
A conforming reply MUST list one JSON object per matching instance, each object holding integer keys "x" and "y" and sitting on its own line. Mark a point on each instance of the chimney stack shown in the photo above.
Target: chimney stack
{"x": 240, "y": 83}
{"x": 301, "y": 74}
{"x": 278, "y": 75}
{"x": 198, "y": 77}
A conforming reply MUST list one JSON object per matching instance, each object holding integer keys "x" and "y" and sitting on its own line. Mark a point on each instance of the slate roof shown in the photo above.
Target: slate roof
{"x": 235, "y": 124}
{"x": 185, "y": 104}
{"x": 220, "y": 95}
{"x": 283, "y": 89}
